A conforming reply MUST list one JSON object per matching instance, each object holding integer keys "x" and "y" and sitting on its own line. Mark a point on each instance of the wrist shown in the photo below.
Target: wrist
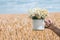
{"x": 52, "y": 26}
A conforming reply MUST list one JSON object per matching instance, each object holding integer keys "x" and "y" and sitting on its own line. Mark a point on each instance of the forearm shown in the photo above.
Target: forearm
{"x": 56, "y": 30}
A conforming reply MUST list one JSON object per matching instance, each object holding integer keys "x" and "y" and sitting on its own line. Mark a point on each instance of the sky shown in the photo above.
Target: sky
{"x": 22, "y": 6}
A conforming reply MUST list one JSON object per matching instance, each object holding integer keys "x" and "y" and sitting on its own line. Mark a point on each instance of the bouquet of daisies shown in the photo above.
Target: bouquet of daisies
{"x": 38, "y": 13}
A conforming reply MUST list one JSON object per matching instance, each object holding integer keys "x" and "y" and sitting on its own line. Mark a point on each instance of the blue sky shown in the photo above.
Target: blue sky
{"x": 22, "y": 6}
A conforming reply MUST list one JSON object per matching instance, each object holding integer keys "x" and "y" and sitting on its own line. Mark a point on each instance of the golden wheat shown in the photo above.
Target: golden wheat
{"x": 19, "y": 27}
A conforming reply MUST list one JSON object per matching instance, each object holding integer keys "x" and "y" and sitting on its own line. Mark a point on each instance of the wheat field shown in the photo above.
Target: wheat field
{"x": 19, "y": 27}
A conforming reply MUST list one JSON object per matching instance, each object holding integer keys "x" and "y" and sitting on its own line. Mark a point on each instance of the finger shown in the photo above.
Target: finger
{"x": 46, "y": 25}
{"x": 47, "y": 22}
{"x": 50, "y": 21}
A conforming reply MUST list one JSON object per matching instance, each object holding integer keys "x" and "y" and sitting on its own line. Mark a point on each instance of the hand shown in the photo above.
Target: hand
{"x": 49, "y": 23}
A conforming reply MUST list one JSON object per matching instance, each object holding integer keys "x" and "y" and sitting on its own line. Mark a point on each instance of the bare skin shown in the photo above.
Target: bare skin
{"x": 50, "y": 25}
